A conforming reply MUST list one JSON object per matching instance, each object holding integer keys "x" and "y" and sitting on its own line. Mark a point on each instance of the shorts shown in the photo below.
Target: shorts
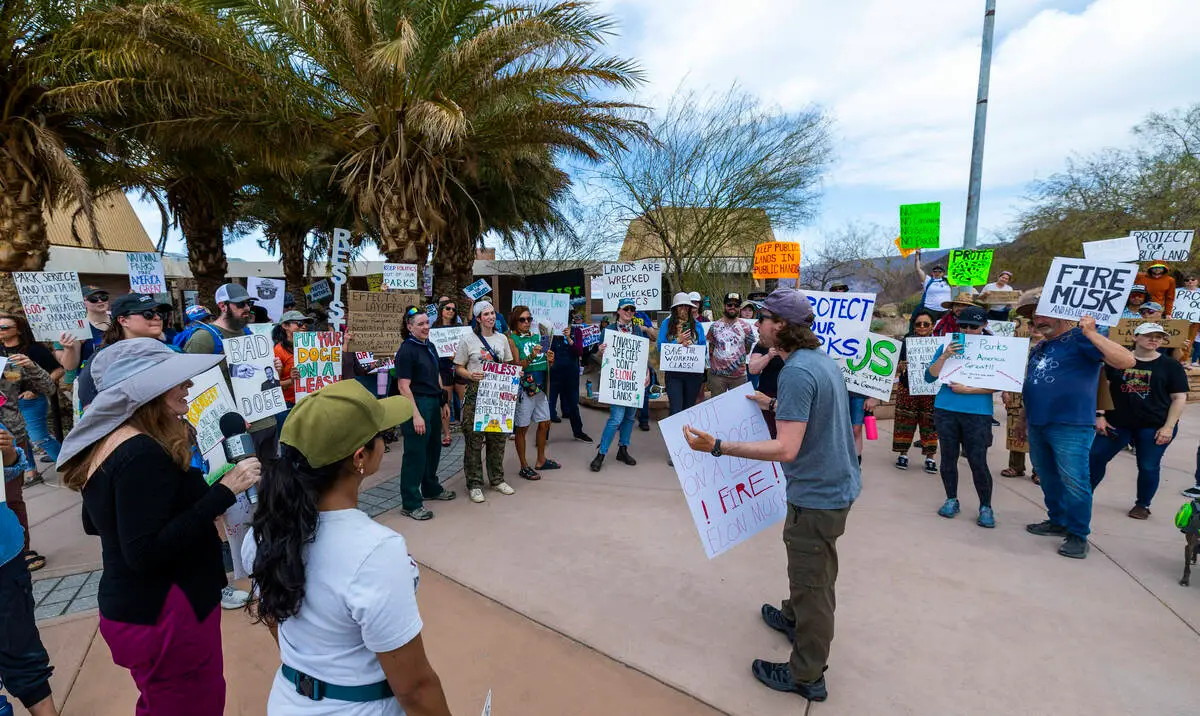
{"x": 532, "y": 409}
{"x": 858, "y": 412}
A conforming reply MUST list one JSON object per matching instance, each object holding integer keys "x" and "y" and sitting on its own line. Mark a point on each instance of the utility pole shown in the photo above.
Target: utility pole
{"x": 981, "y": 103}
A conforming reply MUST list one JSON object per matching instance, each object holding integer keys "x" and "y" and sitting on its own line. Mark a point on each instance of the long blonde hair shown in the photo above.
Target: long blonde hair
{"x": 154, "y": 419}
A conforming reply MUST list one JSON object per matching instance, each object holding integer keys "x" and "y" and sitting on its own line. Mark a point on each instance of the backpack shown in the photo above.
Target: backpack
{"x": 186, "y": 334}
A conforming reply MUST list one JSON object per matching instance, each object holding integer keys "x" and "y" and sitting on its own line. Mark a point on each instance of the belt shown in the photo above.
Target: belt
{"x": 316, "y": 689}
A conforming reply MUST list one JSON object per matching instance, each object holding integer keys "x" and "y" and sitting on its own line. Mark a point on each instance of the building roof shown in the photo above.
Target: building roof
{"x": 118, "y": 227}
{"x": 753, "y": 226}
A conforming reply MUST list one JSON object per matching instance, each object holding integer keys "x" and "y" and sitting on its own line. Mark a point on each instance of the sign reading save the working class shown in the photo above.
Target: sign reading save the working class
{"x": 1083, "y": 287}
{"x": 777, "y": 259}
{"x": 318, "y": 361}
{"x": 969, "y": 267}
{"x": 921, "y": 225}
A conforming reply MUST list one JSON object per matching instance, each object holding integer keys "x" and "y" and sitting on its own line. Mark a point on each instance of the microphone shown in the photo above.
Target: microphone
{"x": 238, "y": 445}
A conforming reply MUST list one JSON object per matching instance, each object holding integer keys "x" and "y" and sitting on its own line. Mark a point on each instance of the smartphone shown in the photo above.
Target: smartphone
{"x": 960, "y": 339}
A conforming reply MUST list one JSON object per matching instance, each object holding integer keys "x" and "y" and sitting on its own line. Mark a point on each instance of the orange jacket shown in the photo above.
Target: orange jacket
{"x": 1160, "y": 290}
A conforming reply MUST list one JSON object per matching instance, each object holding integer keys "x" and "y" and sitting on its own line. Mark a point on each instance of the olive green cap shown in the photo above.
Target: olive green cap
{"x": 330, "y": 424}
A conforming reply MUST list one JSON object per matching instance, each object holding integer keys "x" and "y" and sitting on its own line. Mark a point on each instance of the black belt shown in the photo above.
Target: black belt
{"x": 316, "y": 689}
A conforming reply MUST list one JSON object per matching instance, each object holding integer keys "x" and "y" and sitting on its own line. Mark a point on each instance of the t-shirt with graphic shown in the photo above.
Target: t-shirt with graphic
{"x": 728, "y": 346}
{"x": 937, "y": 292}
{"x": 1061, "y": 380}
{"x": 539, "y": 367}
{"x": 1142, "y": 394}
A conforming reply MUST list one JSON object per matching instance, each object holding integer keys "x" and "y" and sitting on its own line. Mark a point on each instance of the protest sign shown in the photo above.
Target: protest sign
{"x": 477, "y": 290}
{"x": 904, "y": 252}
{"x": 190, "y": 298}
{"x": 569, "y": 282}
{"x": 777, "y": 259}
{"x": 447, "y": 339}
{"x": 623, "y": 369}
{"x": 431, "y": 310}
{"x": 427, "y": 281}
{"x": 318, "y": 360}
{"x": 731, "y": 498}
{"x": 969, "y": 267}
{"x": 1177, "y": 331}
{"x": 552, "y": 309}
{"x": 678, "y": 358}
{"x": 842, "y": 321}
{"x": 399, "y": 277}
{"x": 53, "y": 303}
{"x": 256, "y": 388}
{"x": 921, "y": 225}
{"x": 1007, "y": 329}
{"x": 319, "y": 291}
{"x": 146, "y": 272}
{"x": 496, "y": 403}
{"x": 340, "y": 271}
{"x": 872, "y": 372}
{"x": 918, "y": 354}
{"x": 1083, "y": 287}
{"x": 268, "y": 293}
{"x": 641, "y": 281}
{"x": 1164, "y": 244}
{"x": 991, "y": 362}
{"x": 589, "y": 336}
{"x": 208, "y": 399}
{"x": 989, "y": 298}
{"x": 376, "y": 320}
{"x": 1121, "y": 250}
{"x": 261, "y": 329}
{"x": 374, "y": 282}
{"x": 598, "y": 284}
{"x": 371, "y": 364}
{"x": 1187, "y": 305}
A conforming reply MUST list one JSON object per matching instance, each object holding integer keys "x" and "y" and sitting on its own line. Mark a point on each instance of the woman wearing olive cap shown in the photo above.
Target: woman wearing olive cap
{"x": 339, "y": 588}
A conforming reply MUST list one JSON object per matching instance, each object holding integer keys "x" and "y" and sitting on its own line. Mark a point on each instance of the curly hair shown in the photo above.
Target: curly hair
{"x": 791, "y": 337}
{"x": 155, "y": 419}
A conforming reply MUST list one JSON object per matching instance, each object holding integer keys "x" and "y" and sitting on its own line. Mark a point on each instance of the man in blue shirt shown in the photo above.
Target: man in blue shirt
{"x": 24, "y": 665}
{"x": 1061, "y": 382}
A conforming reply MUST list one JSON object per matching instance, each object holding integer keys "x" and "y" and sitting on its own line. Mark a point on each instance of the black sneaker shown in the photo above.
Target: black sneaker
{"x": 583, "y": 437}
{"x": 645, "y": 427}
{"x": 555, "y": 419}
{"x": 1046, "y": 529}
{"x": 1192, "y": 492}
{"x": 597, "y": 462}
{"x": 902, "y": 462}
{"x": 779, "y": 677}
{"x": 1074, "y": 546}
{"x": 773, "y": 617}
{"x": 930, "y": 466}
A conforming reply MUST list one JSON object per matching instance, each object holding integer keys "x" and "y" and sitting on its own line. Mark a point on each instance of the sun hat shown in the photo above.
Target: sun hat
{"x": 1027, "y": 304}
{"x": 357, "y": 414}
{"x": 694, "y": 297}
{"x": 790, "y": 304}
{"x": 133, "y": 303}
{"x": 479, "y": 308}
{"x": 962, "y": 298}
{"x": 1149, "y": 328}
{"x": 294, "y": 316}
{"x": 622, "y": 303}
{"x": 681, "y": 299}
{"x": 196, "y": 313}
{"x": 972, "y": 317}
{"x": 1150, "y": 306}
{"x": 232, "y": 293}
{"x": 128, "y": 375}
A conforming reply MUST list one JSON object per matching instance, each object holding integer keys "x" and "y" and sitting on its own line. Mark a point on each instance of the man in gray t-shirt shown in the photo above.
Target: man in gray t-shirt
{"x": 823, "y": 480}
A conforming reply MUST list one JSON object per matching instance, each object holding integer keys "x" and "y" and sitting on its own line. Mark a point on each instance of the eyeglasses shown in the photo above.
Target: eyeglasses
{"x": 97, "y": 298}
{"x": 147, "y": 314}
{"x": 524, "y": 319}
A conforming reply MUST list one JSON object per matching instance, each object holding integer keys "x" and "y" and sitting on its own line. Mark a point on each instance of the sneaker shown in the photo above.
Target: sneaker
{"x": 949, "y": 508}
{"x": 1074, "y": 546}
{"x": 583, "y": 437}
{"x": 444, "y": 496}
{"x": 420, "y": 514}
{"x": 644, "y": 427}
{"x": 1138, "y": 512}
{"x": 902, "y": 462}
{"x": 1191, "y": 492}
{"x": 773, "y": 617}
{"x": 1046, "y": 529}
{"x": 233, "y": 598}
{"x": 504, "y": 489}
{"x": 476, "y": 495}
{"x": 930, "y": 466}
{"x": 777, "y": 676}
{"x": 987, "y": 518}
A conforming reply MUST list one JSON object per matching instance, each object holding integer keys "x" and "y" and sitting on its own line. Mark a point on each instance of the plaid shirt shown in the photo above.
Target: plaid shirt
{"x": 33, "y": 378}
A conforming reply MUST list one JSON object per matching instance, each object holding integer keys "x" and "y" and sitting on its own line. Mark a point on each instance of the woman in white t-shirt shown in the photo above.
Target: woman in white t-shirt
{"x": 484, "y": 343}
{"x": 999, "y": 311}
{"x": 339, "y": 588}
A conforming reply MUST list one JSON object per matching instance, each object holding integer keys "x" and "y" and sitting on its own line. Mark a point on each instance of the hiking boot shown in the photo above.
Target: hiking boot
{"x": 779, "y": 677}
{"x": 773, "y": 617}
{"x": 1138, "y": 512}
{"x": 987, "y": 518}
{"x": 1046, "y": 529}
{"x": 1074, "y": 546}
{"x": 930, "y": 466}
{"x": 949, "y": 508}
{"x": 624, "y": 456}
{"x": 902, "y": 462}
{"x": 597, "y": 462}
{"x": 420, "y": 514}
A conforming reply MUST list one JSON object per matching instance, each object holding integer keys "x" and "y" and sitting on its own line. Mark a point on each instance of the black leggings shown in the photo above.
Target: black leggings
{"x": 973, "y": 434}
{"x": 682, "y": 389}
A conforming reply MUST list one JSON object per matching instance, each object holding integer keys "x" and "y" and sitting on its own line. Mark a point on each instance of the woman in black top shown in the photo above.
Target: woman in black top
{"x": 418, "y": 378}
{"x": 452, "y": 384}
{"x": 766, "y": 364}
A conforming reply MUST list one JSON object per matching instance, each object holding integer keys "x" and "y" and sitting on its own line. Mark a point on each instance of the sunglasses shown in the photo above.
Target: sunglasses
{"x": 239, "y": 304}
{"x": 524, "y": 319}
{"x": 98, "y": 298}
{"x": 147, "y": 314}
{"x": 922, "y": 324}
{"x": 626, "y": 308}
{"x": 450, "y": 308}
{"x": 732, "y": 304}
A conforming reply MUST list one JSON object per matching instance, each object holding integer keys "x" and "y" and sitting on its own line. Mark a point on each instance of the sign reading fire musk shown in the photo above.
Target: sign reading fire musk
{"x": 1083, "y": 287}
{"x": 1164, "y": 245}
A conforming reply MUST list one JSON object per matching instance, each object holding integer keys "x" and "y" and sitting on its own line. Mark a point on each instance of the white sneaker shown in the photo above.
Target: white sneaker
{"x": 476, "y": 495}
{"x": 233, "y": 598}
{"x": 504, "y": 489}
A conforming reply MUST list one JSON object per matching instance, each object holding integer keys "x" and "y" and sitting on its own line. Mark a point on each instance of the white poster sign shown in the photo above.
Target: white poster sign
{"x": 318, "y": 360}
{"x": 677, "y": 358}
{"x": 261, "y": 329}
{"x": 623, "y": 369}
{"x": 639, "y": 280}
{"x": 400, "y": 277}
{"x": 598, "y": 284}
{"x": 268, "y": 293}
{"x": 918, "y": 354}
{"x": 1082, "y": 287}
{"x": 496, "y": 403}
{"x": 447, "y": 339}
{"x": 1164, "y": 244}
{"x": 731, "y": 498}
{"x": 252, "y": 374}
{"x": 552, "y": 309}
{"x": 487, "y": 705}
{"x": 477, "y": 290}
{"x": 988, "y": 362}
{"x": 340, "y": 272}
{"x": 146, "y": 272}
{"x": 1122, "y": 250}
{"x": 1002, "y": 328}
{"x": 53, "y": 303}
{"x": 873, "y": 371}
{"x": 842, "y": 321}
{"x": 208, "y": 399}
{"x": 1187, "y": 305}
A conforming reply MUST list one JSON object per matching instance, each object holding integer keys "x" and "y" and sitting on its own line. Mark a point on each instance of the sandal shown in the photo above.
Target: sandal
{"x": 549, "y": 465}
{"x": 529, "y": 473}
{"x": 34, "y": 561}
{"x": 1009, "y": 472}
{"x": 1035, "y": 479}
{"x": 446, "y": 441}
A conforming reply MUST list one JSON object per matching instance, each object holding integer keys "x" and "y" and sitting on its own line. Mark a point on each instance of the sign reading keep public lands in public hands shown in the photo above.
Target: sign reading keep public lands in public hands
{"x": 969, "y": 267}
{"x": 53, "y": 303}
{"x": 921, "y": 225}
{"x": 1083, "y": 287}
{"x": 777, "y": 259}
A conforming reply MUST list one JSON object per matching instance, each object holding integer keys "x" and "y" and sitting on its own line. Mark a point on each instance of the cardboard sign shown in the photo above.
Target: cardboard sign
{"x": 319, "y": 291}
{"x": 1163, "y": 244}
{"x": 777, "y": 259}
{"x": 1177, "y": 331}
{"x": 921, "y": 225}
{"x": 340, "y": 272}
{"x": 1083, "y": 287}
{"x": 842, "y": 321}
{"x": 146, "y": 272}
{"x": 399, "y": 277}
{"x": 990, "y": 298}
{"x": 318, "y": 361}
{"x": 53, "y": 304}
{"x": 641, "y": 281}
{"x": 872, "y": 372}
{"x": 376, "y": 320}
{"x": 918, "y": 354}
{"x": 589, "y": 336}
{"x": 969, "y": 267}
{"x": 1121, "y": 250}
{"x": 447, "y": 339}
{"x": 496, "y": 403}
{"x": 477, "y": 290}
{"x": 552, "y": 309}
{"x": 988, "y": 362}
{"x": 1187, "y": 305}
{"x": 731, "y": 498}
{"x": 268, "y": 293}
{"x": 1007, "y": 329}
{"x": 208, "y": 399}
{"x": 682, "y": 359}
{"x": 623, "y": 369}
{"x": 256, "y": 388}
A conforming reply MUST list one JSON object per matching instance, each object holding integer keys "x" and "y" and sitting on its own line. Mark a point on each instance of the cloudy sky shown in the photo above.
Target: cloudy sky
{"x": 899, "y": 80}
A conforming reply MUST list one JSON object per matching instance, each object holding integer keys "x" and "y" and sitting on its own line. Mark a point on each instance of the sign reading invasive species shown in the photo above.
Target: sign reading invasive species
{"x": 1164, "y": 244}
{"x": 842, "y": 321}
{"x": 256, "y": 387}
{"x": 992, "y": 362}
{"x": 447, "y": 339}
{"x": 376, "y": 320}
{"x": 1083, "y": 287}
{"x": 731, "y": 498}
{"x": 921, "y": 225}
{"x": 208, "y": 399}
{"x": 399, "y": 277}
{"x": 340, "y": 271}
{"x": 477, "y": 290}
{"x": 496, "y": 403}
{"x": 1177, "y": 331}
{"x": 53, "y": 303}
{"x": 318, "y": 361}
{"x": 777, "y": 259}
{"x": 918, "y": 354}
{"x": 553, "y": 309}
{"x": 146, "y": 272}
{"x": 969, "y": 267}
{"x": 640, "y": 280}
{"x": 623, "y": 369}
{"x": 871, "y": 373}
{"x": 1187, "y": 305}
{"x": 1123, "y": 250}
{"x": 268, "y": 293}
{"x": 677, "y": 358}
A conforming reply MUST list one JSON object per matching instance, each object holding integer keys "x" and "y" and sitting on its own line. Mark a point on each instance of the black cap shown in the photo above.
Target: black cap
{"x": 972, "y": 316}
{"x": 733, "y": 297}
{"x": 134, "y": 302}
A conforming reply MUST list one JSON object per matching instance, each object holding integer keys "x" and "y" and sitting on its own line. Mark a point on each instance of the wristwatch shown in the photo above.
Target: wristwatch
{"x": 716, "y": 451}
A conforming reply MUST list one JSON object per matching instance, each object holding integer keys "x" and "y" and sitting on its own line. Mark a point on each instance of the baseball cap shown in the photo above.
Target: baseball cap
{"x": 1149, "y": 328}
{"x": 972, "y": 316}
{"x": 134, "y": 302}
{"x": 294, "y": 316}
{"x": 626, "y": 302}
{"x": 736, "y": 297}
{"x": 232, "y": 293}
{"x": 358, "y": 415}
{"x": 89, "y": 290}
{"x": 694, "y": 297}
{"x": 938, "y": 267}
{"x": 1150, "y": 306}
{"x": 1137, "y": 288}
{"x": 196, "y": 313}
{"x": 790, "y": 304}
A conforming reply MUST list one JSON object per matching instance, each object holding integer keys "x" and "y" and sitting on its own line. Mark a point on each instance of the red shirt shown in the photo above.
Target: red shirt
{"x": 288, "y": 358}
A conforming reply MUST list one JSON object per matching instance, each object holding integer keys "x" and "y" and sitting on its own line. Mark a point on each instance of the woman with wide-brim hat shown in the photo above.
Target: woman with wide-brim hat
{"x": 948, "y": 323}
{"x": 130, "y": 457}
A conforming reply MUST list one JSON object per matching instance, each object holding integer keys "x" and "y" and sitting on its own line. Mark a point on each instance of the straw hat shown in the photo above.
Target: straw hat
{"x": 965, "y": 297}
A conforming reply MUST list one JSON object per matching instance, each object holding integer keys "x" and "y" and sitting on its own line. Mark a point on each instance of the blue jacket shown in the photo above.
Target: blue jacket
{"x": 12, "y": 535}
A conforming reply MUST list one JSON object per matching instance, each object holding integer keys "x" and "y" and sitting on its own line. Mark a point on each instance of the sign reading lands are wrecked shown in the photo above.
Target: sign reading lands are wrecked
{"x": 1084, "y": 287}
{"x": 842, "y": 321}
{"x": 777, "y": 259}
{"x": 639, "y": 280}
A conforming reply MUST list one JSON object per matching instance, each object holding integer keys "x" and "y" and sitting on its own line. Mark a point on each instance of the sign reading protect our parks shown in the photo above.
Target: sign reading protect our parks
{"x": 969, "y": 267}
{"x": 921, "y": 225}
{"x": 777, "y": 259}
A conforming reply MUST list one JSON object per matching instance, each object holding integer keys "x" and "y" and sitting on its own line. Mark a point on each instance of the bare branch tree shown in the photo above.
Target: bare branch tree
{"x": 863, "y": 255}
{"x": 590, "y": 239}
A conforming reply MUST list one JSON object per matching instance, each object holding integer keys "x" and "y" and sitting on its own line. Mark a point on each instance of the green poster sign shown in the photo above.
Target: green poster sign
{"x": 921, "y": 225}
{"x": 969, "y": 267}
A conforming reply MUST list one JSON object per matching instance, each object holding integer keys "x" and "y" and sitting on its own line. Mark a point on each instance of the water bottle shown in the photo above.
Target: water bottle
{"x": 589, "y": 394}
{"x": 6, "y": 708}
{"x": 381, "y": 386}
{"x": 871, "y": 428}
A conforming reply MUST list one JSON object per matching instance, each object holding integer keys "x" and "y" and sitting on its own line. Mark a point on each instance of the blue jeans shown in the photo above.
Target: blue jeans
{"x": 34, "y": 413}
{"x": 619, "y": 416}
{"x": 1149, "y": 458}
{"x": 1059, "y": 454}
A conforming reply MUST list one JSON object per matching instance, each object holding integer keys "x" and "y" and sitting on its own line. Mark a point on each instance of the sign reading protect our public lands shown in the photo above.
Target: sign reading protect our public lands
{"x": 1164, "y": 244}
{"x": 777, "y": 259}
{"x": 969, "y": 267}
{"x": 921, "y": 225}
{"x": 1083, "y": 287}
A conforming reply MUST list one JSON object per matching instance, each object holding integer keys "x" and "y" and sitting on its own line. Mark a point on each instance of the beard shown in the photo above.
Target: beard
{"x": 232, "y": 321}
{"x": 731, "y": 313}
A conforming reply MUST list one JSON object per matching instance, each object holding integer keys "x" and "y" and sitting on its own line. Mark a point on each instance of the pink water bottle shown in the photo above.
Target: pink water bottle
{"x": 871, "y": 428}
{"x": 381, "y": 383}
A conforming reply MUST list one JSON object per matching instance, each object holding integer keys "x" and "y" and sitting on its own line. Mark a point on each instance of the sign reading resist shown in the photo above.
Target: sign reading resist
{"x": 1083, "y": 287}
{"x": 623, "y": 369}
